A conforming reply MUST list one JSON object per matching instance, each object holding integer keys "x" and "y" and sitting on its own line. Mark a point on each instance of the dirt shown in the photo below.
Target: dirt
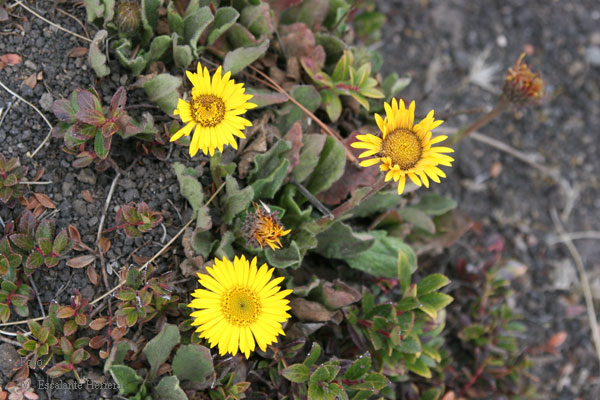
{"x": 436, "y": 42}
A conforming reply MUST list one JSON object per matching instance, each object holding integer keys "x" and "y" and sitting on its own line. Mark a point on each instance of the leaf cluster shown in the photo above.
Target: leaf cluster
{"x": 11, "y": 173}
{"x": 83, "y": 120}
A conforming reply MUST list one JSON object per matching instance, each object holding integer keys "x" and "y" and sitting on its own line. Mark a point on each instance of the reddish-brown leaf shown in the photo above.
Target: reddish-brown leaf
{"x": 449, "y": 396}
{"x": 557, "y": 339}
{"x": 77, "y": 52}
{"x": 104, "y": 244}
{"x": 294, "y": 136}
{"x": 98, "y": 323}
{"x": 44, "y": 200}
{"x": 98, "y": 341}
{"x": 118, "y": 333}
{"x": 65, "y": 312}
{"x": 93, "y": 275}
{"x": 163, "y": 369}
{"x": 10, "y": 59}
{"x": 31, "y": 81}
{"x": 87, "y": 196}
{"x": 139, "y": 260}
{"x": 103, "y": 354}
{"x": 81, "y": 261}
{"x": 38, "y": 174}
{"x": 74, "y": 234}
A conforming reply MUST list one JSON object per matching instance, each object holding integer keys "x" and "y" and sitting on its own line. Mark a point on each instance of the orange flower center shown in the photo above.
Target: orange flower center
{"x": 208, "y": 110}
{"x": 403, "y": 147}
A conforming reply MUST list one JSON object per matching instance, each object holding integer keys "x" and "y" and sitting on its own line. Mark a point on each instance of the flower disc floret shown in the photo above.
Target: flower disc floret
{"x": 405, "y": 149}
{"x": 214, "y": 112}
{"x": 240, "y": 306}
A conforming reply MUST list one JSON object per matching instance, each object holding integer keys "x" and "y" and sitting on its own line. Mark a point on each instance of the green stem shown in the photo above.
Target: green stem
{"x": 500, "y": 107}
{"x": 351, "y": 203}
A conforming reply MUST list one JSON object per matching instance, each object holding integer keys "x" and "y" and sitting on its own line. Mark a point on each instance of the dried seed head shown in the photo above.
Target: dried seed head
{"x": 128, "y": 16}
{"x": 262, "y": 227}
{"x": 522, "y": 86}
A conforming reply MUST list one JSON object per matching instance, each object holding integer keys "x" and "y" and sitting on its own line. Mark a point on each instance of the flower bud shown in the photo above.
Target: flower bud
{"x": 128, "y": 16}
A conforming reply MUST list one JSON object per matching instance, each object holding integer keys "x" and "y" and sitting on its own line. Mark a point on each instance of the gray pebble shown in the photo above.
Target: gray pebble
{"x": 46, "y": 101}
{"x": 67, "y": 189}
{"x": 592, "y": 55}
{"x": 80, "y": 207}
{"x": 31, "y": 65}
{"x": 131, "y": 195}
{"x": 87, "y": 176}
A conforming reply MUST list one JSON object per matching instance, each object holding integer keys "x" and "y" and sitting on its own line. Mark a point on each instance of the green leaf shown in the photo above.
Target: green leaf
{"x": 62, "y": 243}
{"x": 96, "y": 57}
{"x": 238, "y": 59}
{"x": 159, "y": 45}
{"x": 381, "y": 259}
{"x": 202, "y": 242}
{"x": 182, "y": 54}
{"x": 137, "y": 64}
{"x": 174, "y": 19}
{"x": 313, "y": 354}
{"x": 265, "y": 97}
{"x": 126, "y": 378}
{"x": 306, "y": 95}
{"x": 334, "y": 47}
{"x": 287, "y": 257}
{"x": 332, "y": 103}
{"x": 191, "y": 189}
{"x": 324, "y": 373}
{"x": 431, "y": 394}
{"x": 192, "y": 362}
{"x": 419, "y": 367}
{"x": 149, "y": 16}
{"x": 330, "y": 167}
{"x": 194, "y": 25}
{"x": 472, "y": 332}
{"x": 312, "y": 147}
{"x": 236, "y": 200}
{"x": 339, "y": 241}
{"x": 225, "y": 249}
{"x": 373, "y": 382}
{"x": 432, "y": 283}
{"x": 102, "y": 146}
{"x": 434, "y": 204}
{"x": 225, "y": 17}
{"x": 258, "y": 19}
{"x": 239, "y": 36}
{"x": 117, "y": 355}
{"x": 158, "y": 349}
{"x": 22, "y": 241}
{"x": 359, "y": 368}
{"x": 407, "y": 304}
{"x": 35, "y": 260}
{"x": 162, "y": 91}
{"x": 411, "y": 345}
{"x": 168, "y": 389}
{"x": 431, "y": 303}
{"x": 297, "y": 373}
{"x": 393, "y": 84}
{"x": 270, "y": 169}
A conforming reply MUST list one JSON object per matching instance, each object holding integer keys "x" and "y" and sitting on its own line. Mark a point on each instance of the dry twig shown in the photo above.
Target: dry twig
{"x": 39, "y": 112}
{"x": 585, "y": 284}
{"x": 18, "y": 2}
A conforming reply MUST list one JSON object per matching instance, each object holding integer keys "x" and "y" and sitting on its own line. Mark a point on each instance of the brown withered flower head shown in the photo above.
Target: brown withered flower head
{"x": 522, "y": 86}
{"x": 262, "y": 227}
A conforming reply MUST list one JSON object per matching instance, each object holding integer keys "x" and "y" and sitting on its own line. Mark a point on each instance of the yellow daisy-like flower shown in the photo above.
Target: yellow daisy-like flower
{"x": 240, "y": 305}
{"x": 404, "y": 148}
{"x": 214, "y": 111}
{"x": 263, "y": 227}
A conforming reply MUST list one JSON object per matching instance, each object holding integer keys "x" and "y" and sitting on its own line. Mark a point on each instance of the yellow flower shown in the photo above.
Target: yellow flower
{"x": 522, "y": 86}
{"x": 405, "y": 149}
{"x": 264, "y": 228}
{"x": 240, "y": 305}
{"x": 214, "y": 111}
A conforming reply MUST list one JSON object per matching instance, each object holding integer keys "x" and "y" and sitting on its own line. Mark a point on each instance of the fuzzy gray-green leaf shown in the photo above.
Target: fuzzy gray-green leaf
{"x": 240, "y": 58}
{"x": 159, "y": 348}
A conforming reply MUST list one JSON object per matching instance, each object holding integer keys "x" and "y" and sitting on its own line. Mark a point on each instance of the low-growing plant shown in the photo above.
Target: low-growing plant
{"x": 11, "y": 173}
{"x": 83, "y": 120}
{"x": 136, "y": 219}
